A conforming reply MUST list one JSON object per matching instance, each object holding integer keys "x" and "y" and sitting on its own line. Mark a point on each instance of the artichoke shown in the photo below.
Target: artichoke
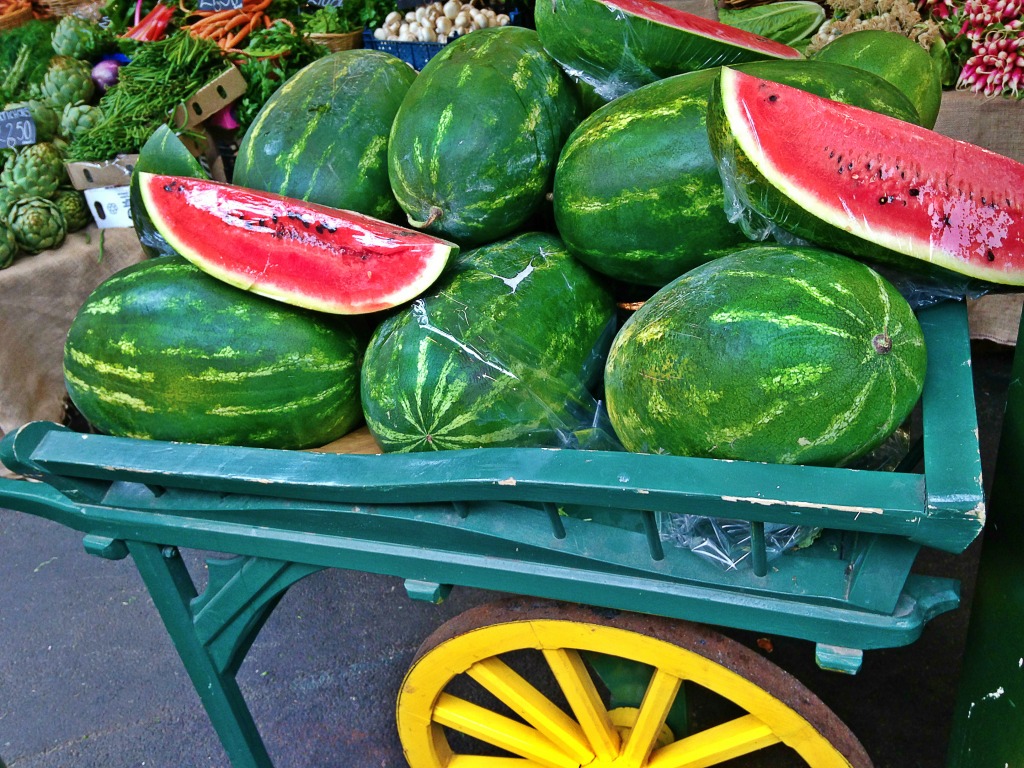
{"x": 43, "y": 114}
{"x": 66, "y": 81}
{"x": 8, "y": 247}
{"x": 7, "y": 199}
{"x": 34, "y": 171}
{"x": 78, "y": 117}
{"x": 37, "y": 224}
{"x": 72, "y": 204}
{"x": 80, "y": 38}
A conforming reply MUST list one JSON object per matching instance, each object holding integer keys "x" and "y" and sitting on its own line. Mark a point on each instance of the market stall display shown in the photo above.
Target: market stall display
{"x": 470, "y": 318}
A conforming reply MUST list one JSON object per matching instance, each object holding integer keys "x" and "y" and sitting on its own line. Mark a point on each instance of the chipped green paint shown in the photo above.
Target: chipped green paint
{"x": 188, "y": 358}
{"x": 501, "y": 353}
{"x": 474, "y": 144}
{"x": 778, "y": 354}
{"x": 322, "y": 136}
{"x": 637, "y": 191}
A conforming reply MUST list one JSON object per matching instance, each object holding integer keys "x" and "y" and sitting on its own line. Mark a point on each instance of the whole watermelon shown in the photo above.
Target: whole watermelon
{"x": 160, "y": 350}
{"x": 475, "y": 142}
{"x": 503, "y": 353}
{"x": 637, "y": 192}
{"x": 777, "y": 354}
{"x": 323, "y": 135}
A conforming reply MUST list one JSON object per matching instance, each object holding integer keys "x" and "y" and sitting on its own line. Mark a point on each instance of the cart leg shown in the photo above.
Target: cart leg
{"x": 988, "y": 720}
{"x": 213, "y": 632}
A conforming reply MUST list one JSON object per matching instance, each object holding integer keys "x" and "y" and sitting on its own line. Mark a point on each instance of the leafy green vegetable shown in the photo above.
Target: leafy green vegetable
{"x": 272, "y": 56}
{"x": 327, "y": 20}
{"x": 25, "y": 54}
{"x": 785, "y": 21}
{"x": 350, "y": 16}
{"x": 159, "y": 76}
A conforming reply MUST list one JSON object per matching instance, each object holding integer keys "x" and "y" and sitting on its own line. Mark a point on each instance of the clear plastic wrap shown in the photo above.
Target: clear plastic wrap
{"x": 726, "y": 541}
{"x": 507, "y": 350}
{"x": 617, "y": 46}
{"x": 806, "y": 170}
{"x": 920, "y": 287}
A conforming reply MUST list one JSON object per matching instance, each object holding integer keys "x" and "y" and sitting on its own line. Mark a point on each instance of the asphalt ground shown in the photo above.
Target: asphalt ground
{"x": 89, "y": 678}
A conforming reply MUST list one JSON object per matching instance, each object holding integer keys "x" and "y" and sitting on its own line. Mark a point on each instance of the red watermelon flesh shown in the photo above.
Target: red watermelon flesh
{"x": 299, "y": 253}
{"x": 698, "y": 25}
{"x": 905, "y": 188}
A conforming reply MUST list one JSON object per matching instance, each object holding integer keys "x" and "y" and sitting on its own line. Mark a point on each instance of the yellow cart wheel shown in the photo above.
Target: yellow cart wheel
{"x": 467, "y": 702}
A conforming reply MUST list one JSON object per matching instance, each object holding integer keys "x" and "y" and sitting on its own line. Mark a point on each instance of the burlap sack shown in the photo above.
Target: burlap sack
{"x": 998, "y": 124}
{"x": 39, "y": 296}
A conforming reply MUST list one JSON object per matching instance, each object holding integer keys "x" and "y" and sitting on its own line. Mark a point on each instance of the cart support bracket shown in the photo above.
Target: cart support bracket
{"x": 834, "y": 658}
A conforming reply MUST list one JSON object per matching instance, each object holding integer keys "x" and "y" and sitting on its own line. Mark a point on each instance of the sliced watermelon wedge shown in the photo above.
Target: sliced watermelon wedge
{"x": 299, "y": 253}
{"x": 615, "y": 46}
{"x": 857, "y": 181}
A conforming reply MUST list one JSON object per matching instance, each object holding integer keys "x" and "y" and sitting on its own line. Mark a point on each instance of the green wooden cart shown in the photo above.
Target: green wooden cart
{"x": 594, "y": 663}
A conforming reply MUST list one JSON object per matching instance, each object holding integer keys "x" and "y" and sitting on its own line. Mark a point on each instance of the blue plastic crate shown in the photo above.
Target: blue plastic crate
{"x": 414, "y": 54}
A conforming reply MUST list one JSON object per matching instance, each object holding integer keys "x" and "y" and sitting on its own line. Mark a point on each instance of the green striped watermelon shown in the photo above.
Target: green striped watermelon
{"x": 776, "y": 354}
{"x": 162, "y": 351}
{"x": 637, "y": 191}
{"x": 618, "y": 45}
{"x": 296, "y": 252}
{"x": 897, "y": 59}
{"x": 163, "y": 152}
{"x": 862, "y": 183}
{"x": 323, "y": 135}
{"x": 474, "y": 145}
{"x": 502, "y": 353}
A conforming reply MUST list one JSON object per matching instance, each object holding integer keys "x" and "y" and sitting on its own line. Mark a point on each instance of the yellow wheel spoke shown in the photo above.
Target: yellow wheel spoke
{"x": 512, "y": 714}
{"x": 585, "y": 701}
{"x": 533, "y": 706}
{"x": 658, "y": 699}
{"x": 500, "y": 731}
{"x": 716, "y": 745}
{"x": 478, "y": 761}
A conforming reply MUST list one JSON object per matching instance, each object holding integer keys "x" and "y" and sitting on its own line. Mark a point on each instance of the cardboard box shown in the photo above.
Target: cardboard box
{"x": 204, "y": 147}
{"x": 211, "y": 98}
{"x": 110, "y": 206}
{"x": 105, "y": 173}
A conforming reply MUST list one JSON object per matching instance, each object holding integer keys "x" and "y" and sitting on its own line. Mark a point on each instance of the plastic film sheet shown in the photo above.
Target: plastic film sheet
{"x": 727, "y": 542}
{"x": 616, "y": 47}
{"x": 835, "y": 178}
{"x": 507, "y": 350}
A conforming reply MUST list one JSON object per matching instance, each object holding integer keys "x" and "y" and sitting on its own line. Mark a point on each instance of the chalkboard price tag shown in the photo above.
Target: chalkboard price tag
{"x": 16, "y": 128}
{"x": 324, "y": 3}
{"x": 219, "y": 5}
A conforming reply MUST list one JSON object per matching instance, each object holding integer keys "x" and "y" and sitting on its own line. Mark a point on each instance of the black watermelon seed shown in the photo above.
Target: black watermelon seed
{"x": 914, "y": 192}
{"x": 773, "y": 97}
{"x": 990, "y": 256}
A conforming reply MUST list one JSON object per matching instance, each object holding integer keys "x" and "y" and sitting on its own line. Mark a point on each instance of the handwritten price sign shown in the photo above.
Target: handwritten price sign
{"x": 322, "y": 3}
{"x": 16, "y": 128}
{"x": 219, "y": 5}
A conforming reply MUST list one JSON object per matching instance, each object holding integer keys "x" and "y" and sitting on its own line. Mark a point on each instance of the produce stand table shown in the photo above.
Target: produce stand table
{"x": 563, "y": 525}
{"x": 39, "y": 296}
